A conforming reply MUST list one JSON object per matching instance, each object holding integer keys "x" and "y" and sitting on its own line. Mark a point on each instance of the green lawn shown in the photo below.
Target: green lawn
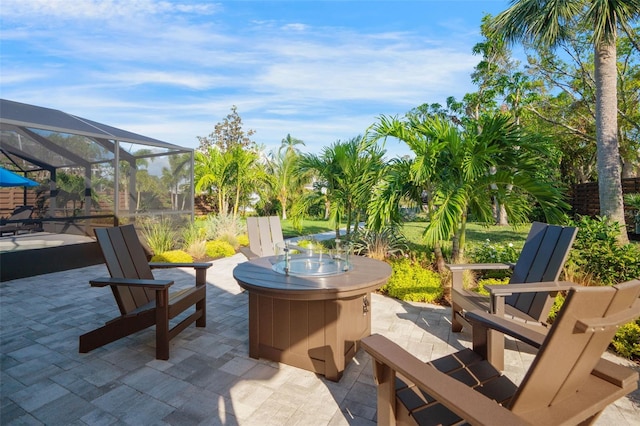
{"x": 309, "y": 227}
{"x": 476, "y": 233}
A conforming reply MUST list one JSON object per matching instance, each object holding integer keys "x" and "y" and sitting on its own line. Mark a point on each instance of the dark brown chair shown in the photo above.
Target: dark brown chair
{"x": 532, "y": 288}
{"x": 567, "y": 383}
{"x": 143, "y": 300}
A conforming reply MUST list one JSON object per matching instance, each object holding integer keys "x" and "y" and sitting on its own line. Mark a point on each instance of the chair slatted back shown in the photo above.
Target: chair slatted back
{"x": 542, "y": 257}
{"x": 125, "y": 258}
{"x": 584, "y": 328}
{"x": 21, "y": 213}
{"x": 264, "y": 233}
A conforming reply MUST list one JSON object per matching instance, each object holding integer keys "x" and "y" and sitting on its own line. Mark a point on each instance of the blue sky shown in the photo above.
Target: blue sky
{"x": 319, "y": 70}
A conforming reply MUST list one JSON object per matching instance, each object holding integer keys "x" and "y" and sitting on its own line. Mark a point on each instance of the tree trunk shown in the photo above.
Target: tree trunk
{"x": 455, "y": 247}
{"x": 609, "y": 173}
{"x": 283, "y": 203}
{"x": 440, "y": 263}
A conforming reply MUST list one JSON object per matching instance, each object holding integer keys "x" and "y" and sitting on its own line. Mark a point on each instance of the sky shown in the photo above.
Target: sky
{"x": 321, "y": 71}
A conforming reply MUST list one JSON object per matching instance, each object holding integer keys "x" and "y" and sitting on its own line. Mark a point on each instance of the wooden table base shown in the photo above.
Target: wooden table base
{"x": 318, "y": 335}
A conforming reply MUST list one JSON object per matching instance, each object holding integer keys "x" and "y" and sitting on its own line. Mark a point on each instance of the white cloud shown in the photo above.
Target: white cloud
{"x": 171, "y": 70}
{"x": 99, "y": 9}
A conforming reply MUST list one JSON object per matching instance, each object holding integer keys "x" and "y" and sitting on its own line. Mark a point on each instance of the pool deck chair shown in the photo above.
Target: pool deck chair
{"x": 18, "y": 221}
{"x": 143, "y": 300}
{"x": 567, "y": 383}
{"x": 531, "y": 290}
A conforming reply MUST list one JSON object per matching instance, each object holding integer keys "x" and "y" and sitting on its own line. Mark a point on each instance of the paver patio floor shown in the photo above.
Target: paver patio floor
{"x": 209, "y": 379}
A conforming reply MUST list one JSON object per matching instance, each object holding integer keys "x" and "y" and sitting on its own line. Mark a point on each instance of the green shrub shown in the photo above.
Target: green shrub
{"x": 217, "y": 248}
{"x": 626, "y": 342}
{"x": 197, "y": 249}
{"x": 412, "y": 282}
{"x": 557, "y": 304}
{"x": 173, "y": 256}
{"x": 230, "y": 238}
{"x": 217, "y": 225}
{"x": 379, "y": 244}
{"x": 160, "y": 235}
{"x": 494, "y": 253}
{"x": 597, "y": 258}
{"x": 312, "y": 245}
{"x": 193, "y": 233}
{"x": 243, "y": 240}
{"x": 489, "y": 281}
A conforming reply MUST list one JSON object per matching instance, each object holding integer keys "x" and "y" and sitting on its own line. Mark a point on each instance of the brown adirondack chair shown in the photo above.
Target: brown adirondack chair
{"x": 567, "y": 383}
{"x": 143, "y": 300}
{"x": 532, "y": 287}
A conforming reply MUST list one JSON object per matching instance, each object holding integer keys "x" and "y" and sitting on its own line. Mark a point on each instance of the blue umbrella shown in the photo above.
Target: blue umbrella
{"x": 8, "y": 178}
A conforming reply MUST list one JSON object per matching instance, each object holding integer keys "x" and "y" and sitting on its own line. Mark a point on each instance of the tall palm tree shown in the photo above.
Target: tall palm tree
{"x": 544, "y": 22}
{"x": 289, "y": 144}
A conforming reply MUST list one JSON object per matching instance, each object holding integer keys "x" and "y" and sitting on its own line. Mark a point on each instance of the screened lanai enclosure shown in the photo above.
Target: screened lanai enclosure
{"x": 89, "y": 172}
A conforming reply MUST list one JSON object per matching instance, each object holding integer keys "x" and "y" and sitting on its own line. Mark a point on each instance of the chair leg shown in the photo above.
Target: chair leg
{"x": 456, "y": 325}
{"x": 385, "y": 379}
{"x": 201, "y": 280}
{"x": 202, "y": 307}
{"x": 456, "y": 310}
{"x": 115, "y": 330}
{"x": 489, "y": 344}
{"x": 162, "y": 324}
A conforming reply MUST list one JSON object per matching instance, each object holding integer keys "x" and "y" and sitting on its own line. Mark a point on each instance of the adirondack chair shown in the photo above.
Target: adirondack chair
{"x": 143, "y": 300}
{"x": 265, "y": 233}
{"x": 567, "y": 383}
{"x": 531, "y": 290}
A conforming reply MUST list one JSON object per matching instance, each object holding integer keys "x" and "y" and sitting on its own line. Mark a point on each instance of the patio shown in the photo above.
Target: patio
{"x": 209, "y": 378}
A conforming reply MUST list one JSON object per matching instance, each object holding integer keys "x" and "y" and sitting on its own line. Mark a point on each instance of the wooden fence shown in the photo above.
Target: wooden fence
{"x": 585, "y": 199}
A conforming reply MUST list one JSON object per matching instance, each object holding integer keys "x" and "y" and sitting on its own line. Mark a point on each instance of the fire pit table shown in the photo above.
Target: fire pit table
{"x": 310, "y": 312}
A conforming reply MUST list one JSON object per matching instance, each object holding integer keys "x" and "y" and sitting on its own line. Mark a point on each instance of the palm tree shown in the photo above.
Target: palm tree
{"x": 284, "y": 177}
{"x": 213, "y": 175}
{"x": 348, "y": 171}
{"x": 544, "y": 22}
{"x": 289, "y": 144}
{"x": 174, "y": 176}
{"x": 412, "y": 181}
{"x": 451, "y": 167}
{"x": 246, "y": 172}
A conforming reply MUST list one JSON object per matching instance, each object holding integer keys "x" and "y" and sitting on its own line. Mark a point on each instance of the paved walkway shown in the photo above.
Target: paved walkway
{"x": 209, "y": 379}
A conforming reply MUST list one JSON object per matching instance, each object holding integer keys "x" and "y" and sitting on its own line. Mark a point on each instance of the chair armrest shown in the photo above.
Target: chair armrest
{"x": 456, "y": 396}
{"x": 478, "y": 266}
{"x": 167, "y": 265}
{"x": 480, "y": 319}
{"x": 457, "y": 271}
{"x": 128, "y": 282}
{"x": 548, "y": 286}
{"x": 248, "y": 253}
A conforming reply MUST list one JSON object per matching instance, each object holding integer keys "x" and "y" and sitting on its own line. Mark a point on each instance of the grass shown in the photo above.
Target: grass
{"x": 308, "y": 227}
{"x": 476, "y": 233}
